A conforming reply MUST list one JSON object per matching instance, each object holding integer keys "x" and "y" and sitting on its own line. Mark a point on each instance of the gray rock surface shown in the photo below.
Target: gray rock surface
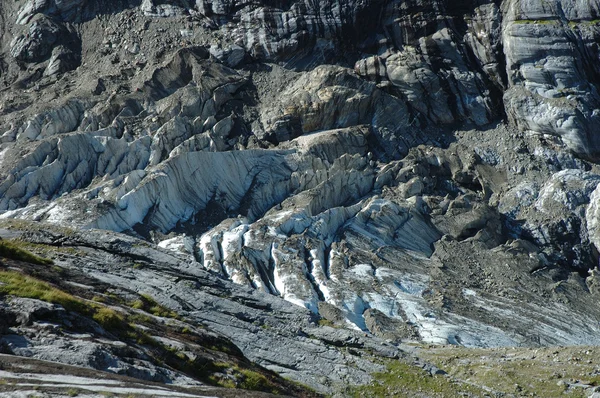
{"x": 403, "y": 170}
{"x": 281, "y": 337}
{"x": 551, "y": 62}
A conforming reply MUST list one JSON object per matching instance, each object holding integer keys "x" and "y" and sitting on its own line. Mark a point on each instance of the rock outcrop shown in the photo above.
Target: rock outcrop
{"x": 551, "y": 62}
{"x": 421, "y": 170}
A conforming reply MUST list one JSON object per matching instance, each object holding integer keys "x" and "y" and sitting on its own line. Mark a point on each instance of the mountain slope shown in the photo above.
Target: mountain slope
{"x": 401, "y": 170}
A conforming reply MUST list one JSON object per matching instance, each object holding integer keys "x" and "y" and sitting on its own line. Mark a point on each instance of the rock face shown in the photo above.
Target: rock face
{"x": 551, "y": 63}
{"x": 223, "y": 322}
{"x": 421, "y": 170}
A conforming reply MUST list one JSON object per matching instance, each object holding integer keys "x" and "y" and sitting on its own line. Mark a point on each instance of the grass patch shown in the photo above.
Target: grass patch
{"x": 232, "y": 376}
{"x": 546, "y": 22}
{"x": 20, "y": 285}
{"x": 15, "y": 250}
{"x": 543, "y": 371}
{"x": 326, "y": 322}
{"x": 252, "y": 380}
{"x": 148, "y": 304}
{"x": 48, "y": 249}
{"x": 72, "y": 392}
{"x": 36, "y": 226}
{"x": 186, "y": 330}
{"x": 99, "y": 299}
{"x": 402, "y": 379}
{"x": 222, "y": 381}
{"x": 109, "y": 319}
{"x": 522, "y": 21}
{"x": 535, "y": 21}
{"x": 139, "y": 319}
{"x": 574, "y": 24}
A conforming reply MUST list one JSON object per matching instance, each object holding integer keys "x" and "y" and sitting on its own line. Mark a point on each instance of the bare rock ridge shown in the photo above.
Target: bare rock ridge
{"x": 401, "y": 170}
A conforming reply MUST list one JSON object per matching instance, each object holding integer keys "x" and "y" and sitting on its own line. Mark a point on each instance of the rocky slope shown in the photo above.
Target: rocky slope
{"x": 402, "y": 170}
{"x": 136, "y": 311}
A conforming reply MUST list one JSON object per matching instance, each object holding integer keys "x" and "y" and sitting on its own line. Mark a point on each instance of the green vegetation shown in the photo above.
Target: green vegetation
{"x": 252, "y": 380}
{"x": 137, "y": 327}
{"x": 326, "y": 322}
{"x": 535, "y": 21}
{"x": 186, "y": 330}
{"x": 49, "y": 249}
{"x": 229, "y": 375}
{"x": 544, "y": 371}
{"x": 99, "y": 299}
{"x": 72, "y": 392}
{"x": 15, "y": 250}
{"x": 20, "y": 285}
{"x": 109, "y": 319}
{"x": 35, "y": 226}
{"x": 574, "y": 24}
{"x": 404, "y": 380}
{"x": 148, "y": 304}
{"x": 139, "y": 319}
{"x": 58, "y": 270}
{"x": 223, "y": 382}
{"x": 546, "y": 22}
{"x": 17, "y": 284}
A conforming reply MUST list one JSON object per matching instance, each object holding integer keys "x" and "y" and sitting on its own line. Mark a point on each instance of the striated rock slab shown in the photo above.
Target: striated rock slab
{"x": 551, "y": 61}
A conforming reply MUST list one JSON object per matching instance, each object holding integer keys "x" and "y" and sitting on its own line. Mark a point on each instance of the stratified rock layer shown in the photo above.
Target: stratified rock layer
{"x": 408, "y": 169}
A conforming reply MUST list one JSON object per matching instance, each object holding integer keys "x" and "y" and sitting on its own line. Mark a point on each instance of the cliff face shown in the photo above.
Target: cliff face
{"x": 420, "y": 170}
